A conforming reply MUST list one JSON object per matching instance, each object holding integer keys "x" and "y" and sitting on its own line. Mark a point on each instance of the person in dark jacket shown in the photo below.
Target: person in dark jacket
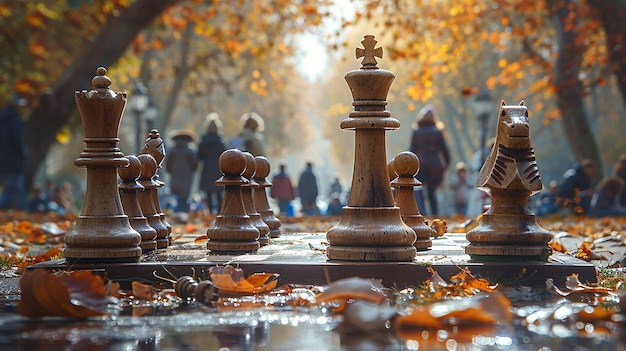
{"x": 307, "y": 188}
{"x": 181, "y": 164}
{"x": 428, "y": 143}
{"x": 619, "y": 170}
{"x": 283, "y": 190}
{"x": 576, "y": 187}
{"x": 211, "y": 146}
{"x": 604, "y": 199}
{"x": 12, "y": 156}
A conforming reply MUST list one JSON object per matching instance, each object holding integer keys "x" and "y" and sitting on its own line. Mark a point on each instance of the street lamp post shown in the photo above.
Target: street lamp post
{"x": 483, "y": 105}
{"x": 151, "y": 114}
{"x": 138, "y": 103}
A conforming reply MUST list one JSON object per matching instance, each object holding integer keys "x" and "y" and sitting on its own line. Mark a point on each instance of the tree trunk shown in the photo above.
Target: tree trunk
{"x": 569, "y": 88}
{"x": 612, "y": 15}
{"x": 55, "y": 106}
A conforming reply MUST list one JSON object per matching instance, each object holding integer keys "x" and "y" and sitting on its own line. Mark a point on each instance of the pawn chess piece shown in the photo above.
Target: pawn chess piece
{"x": 129, "y": 189}
{"x": 405, "y": 166}
{"x": 260, "y": 196}
{"x": 508, "y": 231}
{"x": 233, "y": 231}
{"x": 370, "y": 228}
{"x": 102, "y": 232}
{"x": 156, "y": 148}
{"x": 148, "y": 166}
{"x": 248, "y": 200}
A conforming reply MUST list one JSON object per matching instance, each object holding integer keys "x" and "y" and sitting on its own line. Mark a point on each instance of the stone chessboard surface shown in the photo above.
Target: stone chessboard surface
{"x": 300, "y": 258}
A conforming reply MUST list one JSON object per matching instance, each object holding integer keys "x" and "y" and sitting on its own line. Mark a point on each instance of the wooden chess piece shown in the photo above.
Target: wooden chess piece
{"x": 155, "y": 146}
{"x": 406, "y": 165}
{"x": 129, "y": 189}
{"x": 232, "y": 231}
{"x": 370, "y": 228}
{"x": 508, "y": 231}
{"x": 260, "y": 196}
{"x": 146, "y": 198}
{"x": 248, "y": 200}
{"x": 102, "y": 232}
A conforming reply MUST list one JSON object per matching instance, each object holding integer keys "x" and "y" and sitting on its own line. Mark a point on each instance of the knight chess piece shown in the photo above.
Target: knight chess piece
{"x": 508, "y": 231}
{"x": 155, "y": 146}
{"x": 260, "y": 196}
{"x": 102, "y": 232}
{"x": 370, "y": 228}
{"x": 148, "y": 168}
{"x": 247, "y": 191}
{"x": 406, "y": 165}
{"x": 233, "y": 231}
{"x": 129, "y": 189}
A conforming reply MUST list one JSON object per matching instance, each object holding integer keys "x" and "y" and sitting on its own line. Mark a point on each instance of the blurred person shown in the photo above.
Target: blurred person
{"x": 12, "y": 155}
{"x": 62, "y": 201}
{"x": 335, "y": 188}
{"x": 249, "y": 137}
{"x": 575, "y": 186}
{"x": 307, "y": 189}
{"x": 461, "y": 188}
{"x": 619, "y": 170}
{"x": 211, "y": 146}
{"x": 428, "y": 143}
{"x": 283, "y": 190}
{"x": 37, "y": 202}
{"x": 548, "y": 202}
{"x": 334, "y": 206}
{"x": 604, "y": 200}
{"x": 181, "y": 164}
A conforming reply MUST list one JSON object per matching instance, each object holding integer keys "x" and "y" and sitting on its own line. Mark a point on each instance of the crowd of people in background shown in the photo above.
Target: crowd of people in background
{"x": 574, "y": 193}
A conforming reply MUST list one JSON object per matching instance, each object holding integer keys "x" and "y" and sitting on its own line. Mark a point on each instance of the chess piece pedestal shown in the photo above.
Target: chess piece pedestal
{"x": 406, "y": 165}
{"x": 260, "y": 196}
{"x": 509, "y": 231}
{"x": 370, "y": 228}
{"x": 232, "y": 231}
{"x": 155, "y": 147}
{"x": 129, "y": 190}
{"x": 248, "y": 200}
{"x": 102, "y": 232}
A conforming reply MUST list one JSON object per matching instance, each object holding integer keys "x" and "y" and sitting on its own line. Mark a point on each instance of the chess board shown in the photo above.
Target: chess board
{"x": 300, "y": 258}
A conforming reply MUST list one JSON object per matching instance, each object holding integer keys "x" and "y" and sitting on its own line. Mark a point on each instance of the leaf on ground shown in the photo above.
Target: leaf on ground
{"x": 354, "y": 288}
{"x": 481, "y": 309}
{"x": 78, "y": 294}
{"x": 229, "y": 279}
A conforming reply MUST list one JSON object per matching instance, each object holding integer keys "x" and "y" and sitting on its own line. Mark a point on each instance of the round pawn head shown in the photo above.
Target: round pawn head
{"x": 250, "y": 170}
{"x": 262, "y": 167}
{"x": 131, "y": 173}
{"x": 148, "y": 166}
{"x": 406, "y": 164}
{"x": 232, "y": 162}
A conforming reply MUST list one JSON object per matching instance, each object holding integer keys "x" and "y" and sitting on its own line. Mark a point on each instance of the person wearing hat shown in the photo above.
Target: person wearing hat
{"x": 209, "y": 150}
{"x": 249, "y": 137}
{"x": 181, "y": 164}
{"x": 428, "y": 143}
{"x": 12, "y": 155}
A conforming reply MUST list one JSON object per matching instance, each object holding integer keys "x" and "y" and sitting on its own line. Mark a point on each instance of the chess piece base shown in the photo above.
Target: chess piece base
{"x": 371, "y": 234}
{"x": 508, "y": 237}
{"x": 422, "y": 231}
{"x": 233, "y": 234}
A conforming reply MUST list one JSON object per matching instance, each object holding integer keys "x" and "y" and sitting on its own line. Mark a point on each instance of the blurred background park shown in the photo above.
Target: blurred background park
{"x": 180, "y": 60}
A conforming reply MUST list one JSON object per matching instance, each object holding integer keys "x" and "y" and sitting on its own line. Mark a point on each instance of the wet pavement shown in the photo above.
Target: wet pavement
{"x": 299, "y": 259}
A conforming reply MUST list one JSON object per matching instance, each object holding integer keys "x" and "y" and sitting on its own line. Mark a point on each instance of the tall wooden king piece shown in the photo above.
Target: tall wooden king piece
{"x": 508, "y": 231}
{"x": 370, "y": 228}
{"x": 102, "y": 231}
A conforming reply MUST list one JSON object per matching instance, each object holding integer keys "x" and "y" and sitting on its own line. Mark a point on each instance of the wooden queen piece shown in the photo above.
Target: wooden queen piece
{"x": 370, "y": 228}
{"x": 102, "y": 231}
{"x": 509, "y": 231}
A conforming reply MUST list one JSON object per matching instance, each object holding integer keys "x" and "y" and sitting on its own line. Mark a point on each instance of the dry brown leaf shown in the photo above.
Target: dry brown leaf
{"x": 78, "y": 294}
{"x": 229, "y": 280}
